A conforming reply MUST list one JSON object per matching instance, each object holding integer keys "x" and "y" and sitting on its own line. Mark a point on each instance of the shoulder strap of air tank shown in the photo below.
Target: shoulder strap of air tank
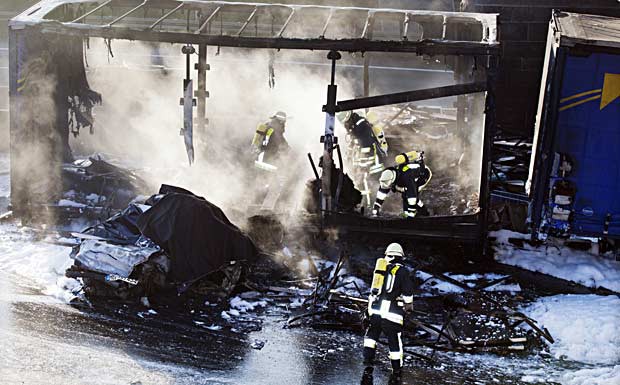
{"x": 388, "y": 270}
{"x": 394, "y": 269}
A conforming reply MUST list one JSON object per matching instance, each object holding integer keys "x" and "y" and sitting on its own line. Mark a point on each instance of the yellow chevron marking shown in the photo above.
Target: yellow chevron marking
{"x": 566, "y": 99}
{"x": 611, "y": 89}
{"x": 566, "y": 107}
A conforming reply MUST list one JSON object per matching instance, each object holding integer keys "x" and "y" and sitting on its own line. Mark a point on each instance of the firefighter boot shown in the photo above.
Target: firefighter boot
{"x": 367, "y": 377}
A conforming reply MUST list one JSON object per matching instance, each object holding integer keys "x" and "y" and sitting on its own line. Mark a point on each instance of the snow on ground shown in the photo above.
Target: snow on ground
{"x": 594, "y": 376}
{"x": 41, "y": 263}
{"x": 70, "y": 203}
{"x": 559, "y": 261}
{"x": 434, "y": 284}
{"x": 5, "y": 181}
{"x": 243, "y": 306}
{"x": 586, "y": 329}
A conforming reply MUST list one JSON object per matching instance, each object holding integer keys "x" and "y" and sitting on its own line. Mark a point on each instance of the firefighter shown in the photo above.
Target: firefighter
{"x": 366, "y": 147}
{"x": 269, "y": 142}
{"x": 409, "y": 176}
{"x": 369, "y": 137}
{"x": 390, "y": 297}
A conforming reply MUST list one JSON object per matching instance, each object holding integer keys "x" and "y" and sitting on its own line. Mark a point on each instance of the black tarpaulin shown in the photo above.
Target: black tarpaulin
{"x": 196, "y": 235}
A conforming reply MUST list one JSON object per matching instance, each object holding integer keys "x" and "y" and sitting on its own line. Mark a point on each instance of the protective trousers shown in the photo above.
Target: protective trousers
{"x": 406, "y": 180}
{"x": 393, "y": 332}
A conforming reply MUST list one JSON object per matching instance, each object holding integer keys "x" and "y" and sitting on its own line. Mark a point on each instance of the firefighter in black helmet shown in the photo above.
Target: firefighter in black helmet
{"x": 366, "y": 148}
{"x": 269, "y": 142}
{"x": 391, "y": 296}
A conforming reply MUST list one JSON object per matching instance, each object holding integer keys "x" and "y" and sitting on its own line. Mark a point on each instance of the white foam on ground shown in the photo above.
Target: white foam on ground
{"x": 586, "y": 329}
{"x": 573, "y": 265}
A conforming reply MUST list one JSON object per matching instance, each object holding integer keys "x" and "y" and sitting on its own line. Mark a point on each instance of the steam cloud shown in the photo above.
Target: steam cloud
{"x": 140, "y": 119}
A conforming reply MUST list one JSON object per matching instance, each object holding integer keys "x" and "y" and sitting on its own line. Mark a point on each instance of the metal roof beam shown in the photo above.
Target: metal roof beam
{"x": 329, "y": 18}
{"x": 406, "y": 26}
{"x": 410, "y": 96}
{"x": 208, "y": 20}
{"x": 164, "y": 17}
{"x": 84, "y": 16}
{"x": 288, "y": 20}
{"x": 247, "y": 21}
{"x": 128, "y": 13}
{"x": 368, "y": 26}
{"x": 429, "y": 47}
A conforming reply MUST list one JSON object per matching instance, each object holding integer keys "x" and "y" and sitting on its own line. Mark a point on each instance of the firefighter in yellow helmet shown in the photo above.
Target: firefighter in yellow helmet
{"x": 408, "y": 176}
{"x": 269, "y": 142}
{"x": 390, "y": 298}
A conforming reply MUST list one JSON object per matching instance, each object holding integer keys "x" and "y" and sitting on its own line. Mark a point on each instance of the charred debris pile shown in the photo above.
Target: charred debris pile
{"x": 448, "y": 149}
{"x": 467, "y": 318}
{"x": 174, "y": 241}
{"x": 175, "y": 250}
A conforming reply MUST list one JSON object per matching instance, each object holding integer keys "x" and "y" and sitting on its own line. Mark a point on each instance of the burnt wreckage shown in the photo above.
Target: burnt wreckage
{"x": 48, "y": 38}
{"x": 151, "y": 247}
{"x": 174, "y": 241}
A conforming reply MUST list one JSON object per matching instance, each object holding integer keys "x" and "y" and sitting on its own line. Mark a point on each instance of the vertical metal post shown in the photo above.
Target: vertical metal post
{"x": 366, "y": 75}
{"x": 542, "y": 152}
{"x": 188, "y": 102}
{"x": 201, "y": 95}
{"x": 485, "y": 173}
{"x": 14, "y": 121}
{"x": 460, "y": 75}
{"x": 328, "y": 139}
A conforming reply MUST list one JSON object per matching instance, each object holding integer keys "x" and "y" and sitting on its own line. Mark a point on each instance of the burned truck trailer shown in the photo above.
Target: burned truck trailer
{"x": 574, "y": 180}
{"x": 48, "y": 40}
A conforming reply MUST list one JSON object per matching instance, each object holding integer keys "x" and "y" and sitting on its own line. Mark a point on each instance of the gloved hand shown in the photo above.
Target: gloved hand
{"x": 365, "y": 320}
{"x": 375, "y": 212}
{"x": 408, "y": 308}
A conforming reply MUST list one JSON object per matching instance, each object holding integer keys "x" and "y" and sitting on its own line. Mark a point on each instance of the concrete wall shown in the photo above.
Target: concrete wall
{"x": 8, "y": 9}
{"x": 523, "y": 33}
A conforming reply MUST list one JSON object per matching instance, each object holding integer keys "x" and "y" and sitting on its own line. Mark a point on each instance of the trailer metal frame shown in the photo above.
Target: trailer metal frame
{"x": 470, "y": 39}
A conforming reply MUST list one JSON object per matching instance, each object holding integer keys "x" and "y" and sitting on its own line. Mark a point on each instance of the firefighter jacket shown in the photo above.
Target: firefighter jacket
{"x": 397, "y": 291}
{"x": 366, "y": 134}
{"x": 269, "y": 138}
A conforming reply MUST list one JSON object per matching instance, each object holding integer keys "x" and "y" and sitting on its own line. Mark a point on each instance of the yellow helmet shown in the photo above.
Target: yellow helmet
{"x": 372, "y": 117}
{"x": 408, "y": 157}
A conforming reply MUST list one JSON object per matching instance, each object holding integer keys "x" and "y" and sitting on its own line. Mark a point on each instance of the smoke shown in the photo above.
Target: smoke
{"x": 140, "y": 119}
{"x": 36, "y": 158}
{"x": 453, "y": 154}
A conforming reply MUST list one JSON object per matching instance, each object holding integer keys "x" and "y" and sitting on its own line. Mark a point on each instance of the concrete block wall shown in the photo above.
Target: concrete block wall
{"x": 523, "y": 33}
{"x": 8, "y": 9}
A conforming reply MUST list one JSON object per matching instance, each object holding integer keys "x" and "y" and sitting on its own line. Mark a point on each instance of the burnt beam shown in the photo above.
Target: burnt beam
{"x": 423, "y": 47}
{"x": 410, "y": 96}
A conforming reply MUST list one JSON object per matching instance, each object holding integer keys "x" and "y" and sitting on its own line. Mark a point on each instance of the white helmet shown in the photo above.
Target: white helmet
{"x": 280, "y": 115}
{"x": 387, "y": 178}
{"x": 394, "y": 250}
{"x": 343, "y": 116}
